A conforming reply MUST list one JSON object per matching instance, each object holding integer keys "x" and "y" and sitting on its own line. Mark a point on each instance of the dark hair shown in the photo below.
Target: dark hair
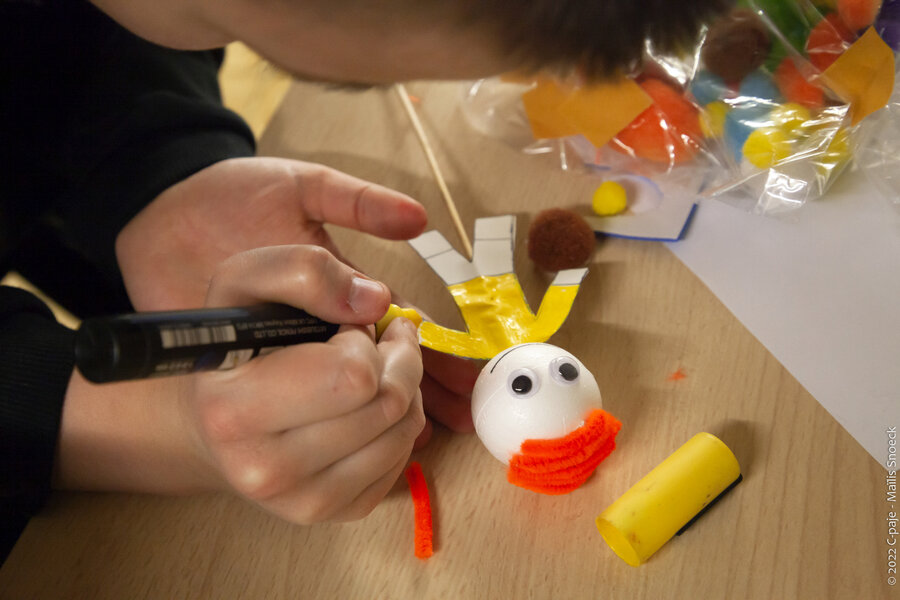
{"x": 596, "y": 37}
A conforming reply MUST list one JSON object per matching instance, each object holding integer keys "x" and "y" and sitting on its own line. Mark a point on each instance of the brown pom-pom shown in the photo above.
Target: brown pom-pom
{"x": 560, "y": 239}
{"x": 736, "y": 45}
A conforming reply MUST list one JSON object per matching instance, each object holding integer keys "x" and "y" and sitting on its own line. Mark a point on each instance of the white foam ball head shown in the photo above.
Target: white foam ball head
{"x": 531, "y": 391}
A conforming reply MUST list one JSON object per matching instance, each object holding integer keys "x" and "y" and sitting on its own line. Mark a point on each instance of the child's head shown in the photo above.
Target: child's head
{"x": 369, "y": 41}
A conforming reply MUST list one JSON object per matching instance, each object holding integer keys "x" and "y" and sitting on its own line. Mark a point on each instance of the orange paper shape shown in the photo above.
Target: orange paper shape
{"x": 542, "y": 104}
{"x": 601, "y": 111}
{"x": 863, "y": 76}
{"x": 598, "y": 112}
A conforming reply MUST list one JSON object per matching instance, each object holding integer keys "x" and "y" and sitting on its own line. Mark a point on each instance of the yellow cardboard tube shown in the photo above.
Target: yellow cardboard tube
{"x": 668, "y": 498}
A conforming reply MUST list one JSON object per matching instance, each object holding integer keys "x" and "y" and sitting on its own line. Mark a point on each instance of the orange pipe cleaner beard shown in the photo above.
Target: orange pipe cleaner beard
{"x": 559, "y": 466}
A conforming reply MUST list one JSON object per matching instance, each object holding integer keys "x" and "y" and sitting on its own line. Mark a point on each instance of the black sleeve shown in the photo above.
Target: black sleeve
{"x": 145, "y": 118}
{"x": 95, "y": 123}
{"x": 36, "y": 361}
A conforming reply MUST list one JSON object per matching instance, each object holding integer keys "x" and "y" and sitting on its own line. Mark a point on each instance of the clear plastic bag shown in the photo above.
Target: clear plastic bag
{"x": 879, "y": 149}
{"x": 757, "y": 113}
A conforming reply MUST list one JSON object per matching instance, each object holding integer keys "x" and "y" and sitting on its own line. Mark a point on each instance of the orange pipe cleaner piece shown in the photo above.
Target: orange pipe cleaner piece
{"x": 561, "y": 465}
{"x": 418, "y": 488}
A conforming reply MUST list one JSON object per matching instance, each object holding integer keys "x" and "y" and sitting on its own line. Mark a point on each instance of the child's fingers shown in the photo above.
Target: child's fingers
{"x": 447, "y": 408}
{"x": 330, "y": 196}
{"x": 318, "y": 444}
{"x": 331, "y": 491}
{"x": 308, "y": 277}
{"x": 369, "y": 498}
{"x": 291, "y": 387}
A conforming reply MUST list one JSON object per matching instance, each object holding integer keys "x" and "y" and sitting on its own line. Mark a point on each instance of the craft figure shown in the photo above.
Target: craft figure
{"x": 538, "y": 409}
{"x": 535, "y": 406}
{"x": 489, "y": 295}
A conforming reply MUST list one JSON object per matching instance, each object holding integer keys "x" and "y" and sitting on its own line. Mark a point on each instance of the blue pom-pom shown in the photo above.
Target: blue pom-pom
{"x": 759, "y": 85}
{"x": 740, "y": 123}
{"x": 708, "y": 87}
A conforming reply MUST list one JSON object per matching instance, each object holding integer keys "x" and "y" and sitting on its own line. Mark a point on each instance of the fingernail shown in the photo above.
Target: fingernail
{"x": 411, "y": 328}
{"x": 364, "y": 293}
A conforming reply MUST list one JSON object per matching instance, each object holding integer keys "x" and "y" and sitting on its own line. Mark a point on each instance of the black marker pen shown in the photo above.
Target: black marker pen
{"x": 154, "y": 344}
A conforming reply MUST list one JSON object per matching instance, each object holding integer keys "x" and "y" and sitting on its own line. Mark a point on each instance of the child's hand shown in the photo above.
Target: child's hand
{"x": 309, "y": 432}
{"x": 314, "y": 431}
{"x": 169, "y": 250}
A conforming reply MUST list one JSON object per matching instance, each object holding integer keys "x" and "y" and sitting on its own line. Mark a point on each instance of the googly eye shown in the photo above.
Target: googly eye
{"x": 564, "y": 370}
{"x": 523, "y": 383}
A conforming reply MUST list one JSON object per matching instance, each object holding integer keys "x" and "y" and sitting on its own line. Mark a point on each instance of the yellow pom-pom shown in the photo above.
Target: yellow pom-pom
{"x": 609, "y": 199}
{"x": 790, "y": 116}
{"x": 712, "y": 119}
{"x": 767, "y": 146}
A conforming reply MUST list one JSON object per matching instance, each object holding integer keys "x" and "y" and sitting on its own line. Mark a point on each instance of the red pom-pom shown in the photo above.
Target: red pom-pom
{"x": 560, "y": 239}
{"x": 667, "y": 132}
{"x": 828, "y": 40}
{"x": 795, "y": 87}
{"x": 858, "y": 14}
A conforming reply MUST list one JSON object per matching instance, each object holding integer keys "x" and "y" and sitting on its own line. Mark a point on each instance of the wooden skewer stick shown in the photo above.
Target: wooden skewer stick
{"x": 435, "y": 170}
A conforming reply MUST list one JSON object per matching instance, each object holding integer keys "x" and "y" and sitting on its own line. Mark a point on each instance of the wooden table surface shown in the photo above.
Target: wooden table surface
{"x": 808, "y": 521}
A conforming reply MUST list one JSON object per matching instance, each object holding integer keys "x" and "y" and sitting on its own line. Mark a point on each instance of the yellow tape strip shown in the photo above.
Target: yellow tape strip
{"x": 497, "y": 316}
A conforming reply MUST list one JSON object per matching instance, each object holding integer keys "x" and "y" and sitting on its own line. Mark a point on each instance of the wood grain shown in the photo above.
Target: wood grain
{"x": 807, "y": 522}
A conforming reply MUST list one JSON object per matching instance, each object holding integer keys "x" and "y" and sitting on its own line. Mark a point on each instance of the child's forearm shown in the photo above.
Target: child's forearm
{"x": 131, "y": 436}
